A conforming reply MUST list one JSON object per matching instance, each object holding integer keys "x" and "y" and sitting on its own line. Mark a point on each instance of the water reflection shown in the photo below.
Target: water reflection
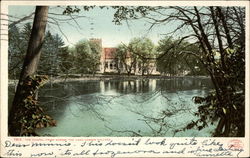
{"x": 145, "y": 107}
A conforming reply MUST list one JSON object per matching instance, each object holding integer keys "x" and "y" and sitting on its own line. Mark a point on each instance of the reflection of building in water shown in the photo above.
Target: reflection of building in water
{"x": 152, "y": 84}
{"x": 102, "y": 86}
{"x": 109, "y": 63}
{"x": 128, "y": 86}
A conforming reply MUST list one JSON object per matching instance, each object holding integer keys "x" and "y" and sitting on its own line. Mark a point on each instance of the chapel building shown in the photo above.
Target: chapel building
{"x": 109, "y": 63}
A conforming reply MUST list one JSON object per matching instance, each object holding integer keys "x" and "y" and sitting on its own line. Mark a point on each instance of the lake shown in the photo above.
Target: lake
{"x": 127, "y": 107}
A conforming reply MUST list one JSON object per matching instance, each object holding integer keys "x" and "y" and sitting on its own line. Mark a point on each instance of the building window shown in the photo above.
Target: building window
{"x": 106, "y": 65}
{"x": 111, "y": 66}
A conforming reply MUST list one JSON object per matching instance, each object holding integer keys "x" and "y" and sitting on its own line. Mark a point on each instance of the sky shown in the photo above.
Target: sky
{"x": 96, "y": 23}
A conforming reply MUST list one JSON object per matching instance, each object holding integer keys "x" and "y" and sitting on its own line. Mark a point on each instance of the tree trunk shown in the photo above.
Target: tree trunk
{"x": 219, "y": 128}
{"x": 143, "y": 68}
{"x": 30, "y": 65}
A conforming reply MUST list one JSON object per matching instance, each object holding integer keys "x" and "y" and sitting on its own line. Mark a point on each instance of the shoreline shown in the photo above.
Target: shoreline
{"x": 99, "y": 77}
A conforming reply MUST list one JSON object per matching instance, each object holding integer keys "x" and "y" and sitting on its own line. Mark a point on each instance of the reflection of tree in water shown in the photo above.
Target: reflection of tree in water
{"x": 146, "y": 85}
{"x": 58, "y": 96}
{"x": 162, "y": 122}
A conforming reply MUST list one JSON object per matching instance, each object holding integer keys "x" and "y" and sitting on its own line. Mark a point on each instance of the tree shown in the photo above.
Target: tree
{"x": 144, "y": 49}
{"x": 217, "y": 59}
{"x": 67, "y": 59}
{"x": 87, "y": 55}
{"x": 15, "y": 52}
{"x": 94, "y": 57}
{"x": 220, "y": 35}
{"x": 18, "y": 43}
{"x": 125, "y": 59}
{"x": 179, "y": 60}
{"x": 82, "y": 49}
{"x": 139, "y": 53}
{"x": 49, "y": 62}
{"x": 29, "y": 68}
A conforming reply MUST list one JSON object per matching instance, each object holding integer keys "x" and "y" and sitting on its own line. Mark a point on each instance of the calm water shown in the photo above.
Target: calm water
{"x": 148, "y": 107}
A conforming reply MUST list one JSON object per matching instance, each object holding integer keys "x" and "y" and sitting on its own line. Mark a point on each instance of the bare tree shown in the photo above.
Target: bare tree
{"x": 220, "y": 34}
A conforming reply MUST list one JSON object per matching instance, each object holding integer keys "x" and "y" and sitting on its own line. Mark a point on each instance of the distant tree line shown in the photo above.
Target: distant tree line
{"x": 84, "y": 56}
{"x": 18, "y": 43}
{"x": 142, "y": 53}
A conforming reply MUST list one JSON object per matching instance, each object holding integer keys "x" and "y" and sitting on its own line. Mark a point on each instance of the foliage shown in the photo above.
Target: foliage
{"x": 94, "y": 57}
{"x": 29, "y": 114}
{"x": 210, "y": 111}
{"x": 49, "y": 61}
{"x": 121, "y": 12}
{"x": 67, "y": 60}
{"x": 129, "y": 12}
{"x": 145, "y": 50}
{"x": 56, "y": 58}
{"x": 179, "y": 59}
{"x": 139, "y": 52}
{"x": 18, "y": 42}
{"x": 121, "y": 56}
{"x": 219, "y": 33}
{"x": 126, "y": 57}
{"x": 87, "y": 55}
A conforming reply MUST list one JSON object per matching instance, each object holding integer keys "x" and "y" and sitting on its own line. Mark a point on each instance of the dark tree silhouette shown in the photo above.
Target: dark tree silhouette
{"x": 29, "y": 67}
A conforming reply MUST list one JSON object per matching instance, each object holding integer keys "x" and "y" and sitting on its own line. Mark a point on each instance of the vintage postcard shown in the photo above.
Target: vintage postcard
{"x": 124, "y": 78}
